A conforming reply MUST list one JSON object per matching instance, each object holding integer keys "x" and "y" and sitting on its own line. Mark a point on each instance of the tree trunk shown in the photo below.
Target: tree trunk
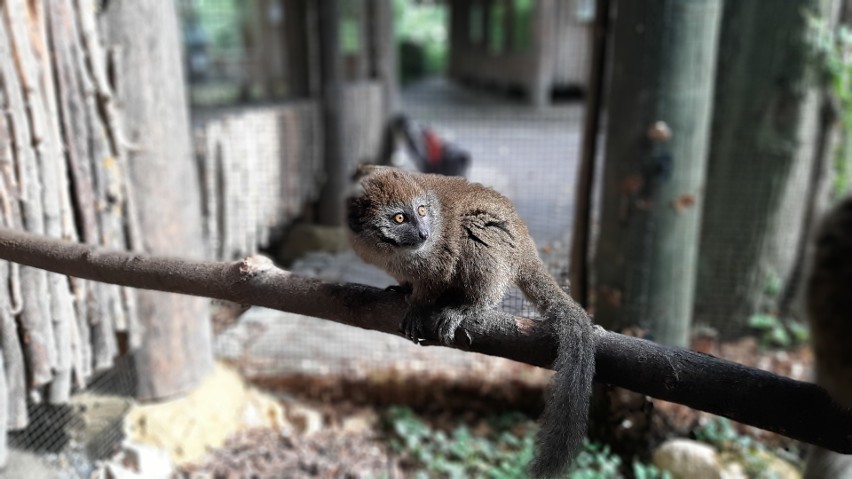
{"x": 659, "y": 115}
{"x": 175, "y": 350}
{"x": 762, "y": 148}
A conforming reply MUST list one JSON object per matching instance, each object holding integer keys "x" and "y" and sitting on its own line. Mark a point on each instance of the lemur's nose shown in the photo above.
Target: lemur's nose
{"x": 424, "y": 234}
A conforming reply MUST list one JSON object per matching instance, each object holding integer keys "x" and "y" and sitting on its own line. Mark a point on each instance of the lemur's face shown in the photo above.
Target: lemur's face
{"x": 405, "y": 224}
{"x": 392, "y": 211}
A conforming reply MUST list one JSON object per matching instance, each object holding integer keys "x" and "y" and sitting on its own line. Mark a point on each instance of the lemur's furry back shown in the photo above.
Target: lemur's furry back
{"x": 455, "y": 247}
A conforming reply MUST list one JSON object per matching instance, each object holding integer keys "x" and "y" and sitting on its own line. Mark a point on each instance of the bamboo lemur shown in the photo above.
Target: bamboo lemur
{"x": 454, "y": 247}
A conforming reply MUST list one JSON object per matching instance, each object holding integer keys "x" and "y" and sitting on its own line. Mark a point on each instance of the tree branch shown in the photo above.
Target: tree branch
{"x": 759, "y": 398}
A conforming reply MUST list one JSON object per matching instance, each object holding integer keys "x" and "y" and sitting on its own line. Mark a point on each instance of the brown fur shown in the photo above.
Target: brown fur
{"x": 477, "y": 246}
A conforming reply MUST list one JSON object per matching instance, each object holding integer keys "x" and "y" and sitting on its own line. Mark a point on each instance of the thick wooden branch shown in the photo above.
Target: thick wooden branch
{"x": 796, "y": 409}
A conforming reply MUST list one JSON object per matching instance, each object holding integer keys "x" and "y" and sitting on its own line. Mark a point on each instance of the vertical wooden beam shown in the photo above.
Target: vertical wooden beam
{"x": 579, "y": 272}
{"x": 363, "y": 56}
{"x": 508, "y": 26}
{"x": 382, "y": 52}
{"x": 540, "y": 80}
{"x": 762, "y": 167}
{"x": 296, "y": 31}
{"x": 459, "y": 12}
{"x": 486, "y": 24}
{"x": 331, "y": 80}
{"x": 176, "y": 345}
{"x": 312, "y": 38}
{"x": 659, "y": 113}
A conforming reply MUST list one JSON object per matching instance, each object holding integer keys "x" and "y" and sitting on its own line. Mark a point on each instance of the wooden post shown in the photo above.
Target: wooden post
{"x": 508, "y": 27}
{"x": 486, "y": 24}
{"x": 540, "y": 80}
{"x": 331, "y": 74}
{"x": 660, "y": 101}
{"x": 586, "y": 169}
{"x": 362, "y": 56}
{"x": 459, "y": 35}
{"x": 176, "y": 346}
{"x": 296, "y": 31}
{"x": 761, "y": 153}
{"x": 382, "y": 52}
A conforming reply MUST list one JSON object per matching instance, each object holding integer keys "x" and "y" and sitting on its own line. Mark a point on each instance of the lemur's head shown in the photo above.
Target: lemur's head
{"x": 391, "y": 210}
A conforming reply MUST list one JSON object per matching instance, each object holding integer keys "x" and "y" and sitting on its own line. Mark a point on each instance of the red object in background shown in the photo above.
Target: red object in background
{"x": 434, "y": 147}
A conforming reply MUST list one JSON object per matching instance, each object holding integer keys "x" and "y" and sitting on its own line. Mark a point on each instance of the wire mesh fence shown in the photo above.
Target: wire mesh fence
{"x": 501, "y": 84}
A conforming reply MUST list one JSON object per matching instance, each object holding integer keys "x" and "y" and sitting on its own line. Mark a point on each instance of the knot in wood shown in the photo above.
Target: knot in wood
{"x": 659, "y": 132}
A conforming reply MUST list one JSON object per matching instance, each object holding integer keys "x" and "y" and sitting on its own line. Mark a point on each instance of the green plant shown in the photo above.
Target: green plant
{"x": 423, "y": 25}
{"x": 777, "y": 333}
{"x": 773, "y": 285}
{"x": 459, "y": 453}
{"x": 499, "y": 450}
{"x": 754, "y": 456}
{"x": 649, "y": 471}
{"x": 717, "y": 432}
{"x": 832, "y": 50}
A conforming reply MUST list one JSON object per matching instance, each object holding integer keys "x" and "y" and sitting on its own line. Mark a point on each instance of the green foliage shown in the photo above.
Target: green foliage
{"x": 649, "y": 471}
{"x": 753, "y": 455}
{"x": 221, "y": 20}
{"x": 424, "y": 26}
{"x": 523, "y": 24}
{"x": 595, "y": 461}
{"x": 496, "y": 20}
{"x": 773, "y": 285}
{"x": 832, "y": 50}
{"x": 717, "y": 432}
{"x": 501, "y": 451}
{"x": 460, "y": 453}
{"x": 776, "y": 333}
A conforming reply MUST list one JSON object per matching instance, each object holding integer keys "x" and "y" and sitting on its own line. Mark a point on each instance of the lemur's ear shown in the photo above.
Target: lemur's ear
{"x": 365, "y": 169}
{"x": 356, "y": 188}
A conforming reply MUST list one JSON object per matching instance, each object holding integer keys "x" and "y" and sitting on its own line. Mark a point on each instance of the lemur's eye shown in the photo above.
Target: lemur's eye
{"x": 399, "y": 218}
{"x": 421, "y": 210}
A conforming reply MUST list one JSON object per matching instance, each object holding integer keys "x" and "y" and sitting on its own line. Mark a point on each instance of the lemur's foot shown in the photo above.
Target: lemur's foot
{"x": 412, "y": 324}
{"x": 428, "y": 322}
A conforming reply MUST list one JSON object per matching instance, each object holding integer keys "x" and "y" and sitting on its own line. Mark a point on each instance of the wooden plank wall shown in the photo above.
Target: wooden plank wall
{"x": 261, "y": 166}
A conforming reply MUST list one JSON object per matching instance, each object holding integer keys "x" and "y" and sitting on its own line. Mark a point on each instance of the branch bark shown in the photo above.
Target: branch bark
{"x": 759, "y": 398}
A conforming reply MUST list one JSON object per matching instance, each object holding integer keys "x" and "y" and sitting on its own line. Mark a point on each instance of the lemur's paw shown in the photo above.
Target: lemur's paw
{"x": 447, "y": 324}
{"x": 412, "y": 325}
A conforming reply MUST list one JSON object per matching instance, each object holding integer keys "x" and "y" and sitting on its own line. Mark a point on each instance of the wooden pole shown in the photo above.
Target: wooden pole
{"x": 331, "y": 200}
{"x": 541, "y": 78}
{"x": 579, "y": 272}
{"x": 174, "y": 356}
{"x": 761, "y": 152}
{"x": 383, "y": 52}
{"x": 659, "y": 113}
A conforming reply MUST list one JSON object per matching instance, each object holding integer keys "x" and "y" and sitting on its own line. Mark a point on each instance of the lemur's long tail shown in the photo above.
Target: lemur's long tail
{"x": 564, "y": 421}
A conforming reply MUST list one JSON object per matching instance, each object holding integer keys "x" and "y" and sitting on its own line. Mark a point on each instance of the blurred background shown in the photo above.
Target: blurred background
{"x": 672, "y": 160}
